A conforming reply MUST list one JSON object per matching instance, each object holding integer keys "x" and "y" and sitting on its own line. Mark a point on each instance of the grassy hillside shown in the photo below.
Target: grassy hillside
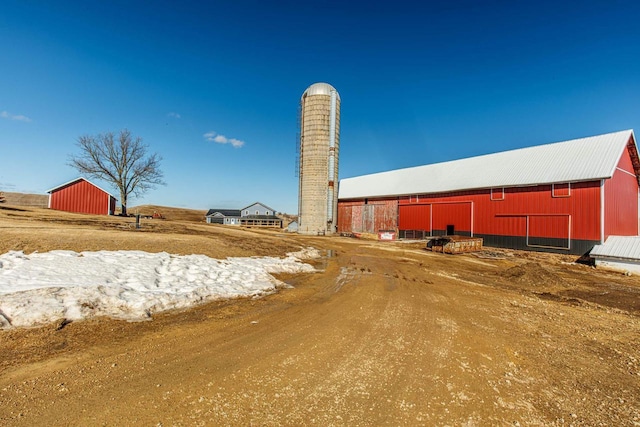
{"x": 168, "y": 212}
{"x": 178, "y": 214}
{"x": 25, "y": 200}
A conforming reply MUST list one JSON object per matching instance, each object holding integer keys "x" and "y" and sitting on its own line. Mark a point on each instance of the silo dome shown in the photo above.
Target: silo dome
{"x": 320, "y": 89}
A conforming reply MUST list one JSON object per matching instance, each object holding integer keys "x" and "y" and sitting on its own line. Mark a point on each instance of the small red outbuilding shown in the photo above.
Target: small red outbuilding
{"x": 81, "y": 196}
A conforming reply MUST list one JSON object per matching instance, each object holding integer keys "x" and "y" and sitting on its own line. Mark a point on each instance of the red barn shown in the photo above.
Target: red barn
{"x": 562, "y": 197}
{"x": 81, "y": 196}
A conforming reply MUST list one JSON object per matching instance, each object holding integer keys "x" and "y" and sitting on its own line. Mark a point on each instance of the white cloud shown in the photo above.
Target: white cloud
{"x": 209, "y": 136}
{"x": 18, "y": 117}
{"x": 174, "y": 115}
{"x": 221, "y": 139}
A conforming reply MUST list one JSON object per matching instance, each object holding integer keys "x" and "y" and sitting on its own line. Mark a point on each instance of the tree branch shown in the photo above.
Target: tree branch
{"x": 124, "y": 163}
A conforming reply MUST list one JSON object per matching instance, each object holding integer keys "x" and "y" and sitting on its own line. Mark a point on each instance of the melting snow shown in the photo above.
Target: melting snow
{"x": 43, "y": 287}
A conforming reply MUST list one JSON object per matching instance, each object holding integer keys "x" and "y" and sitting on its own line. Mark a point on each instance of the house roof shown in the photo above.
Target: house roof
{"x": 223, "y": 212}
{"x": 258, "y": 203}
{"x": 583, "y": 159}
{"x": 73, "y": 181}
{"x": 624, "y": 247}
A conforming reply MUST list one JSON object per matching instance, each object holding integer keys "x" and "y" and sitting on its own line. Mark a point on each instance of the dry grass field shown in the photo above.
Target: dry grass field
{"x": 25, "y": 200}
{"x": 175, "y": 214}
{"x": 385, "y": 333}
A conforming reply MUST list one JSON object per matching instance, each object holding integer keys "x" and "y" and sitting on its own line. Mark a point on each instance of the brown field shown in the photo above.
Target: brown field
{"x": 25, "y": 199}
{"x": 385, "y": 333}
{"x": 176, "y": 214}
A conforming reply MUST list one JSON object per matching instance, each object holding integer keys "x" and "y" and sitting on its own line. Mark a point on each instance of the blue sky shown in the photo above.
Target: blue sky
{"x": 420, "y": 82}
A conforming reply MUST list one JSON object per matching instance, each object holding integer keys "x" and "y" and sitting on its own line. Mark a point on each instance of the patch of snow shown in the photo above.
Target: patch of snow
{"x": 43, "y": 287}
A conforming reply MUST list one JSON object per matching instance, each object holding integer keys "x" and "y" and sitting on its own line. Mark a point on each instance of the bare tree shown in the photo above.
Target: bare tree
{"x": 123, "y": 162}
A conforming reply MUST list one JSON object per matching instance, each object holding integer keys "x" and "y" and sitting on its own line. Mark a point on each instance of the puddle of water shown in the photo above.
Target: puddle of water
{"x": 323, "y": 261}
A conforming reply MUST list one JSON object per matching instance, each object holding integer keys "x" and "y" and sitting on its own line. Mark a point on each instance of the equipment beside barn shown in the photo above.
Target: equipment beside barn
{"x": 455, "y": 244}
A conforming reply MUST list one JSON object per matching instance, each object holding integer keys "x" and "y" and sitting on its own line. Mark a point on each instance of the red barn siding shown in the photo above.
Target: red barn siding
{"x": 560, "y": 217}
{"x": 414, "y": 217}
{"x": 356, "y": 217}
{"x": 625, "y": 160}
{"x": 344, "y": 218}
{"x": 549, "y": 231}
{"x": 367, "y": 216}
{"x": 83, "y": 197}
{"x": 499, "y": 217}
{"x": 385, "y": 214}
{"x": 621, "y": 200}
{"x": 535, "y": 216}
{"x": 556, "y": 226}
{"x": 457, "y": 215}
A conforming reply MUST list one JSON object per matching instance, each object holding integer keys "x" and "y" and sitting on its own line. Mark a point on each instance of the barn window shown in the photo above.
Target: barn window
{"x": 267, "y": 213}
{"x": 257, "y": 212}
{"x": 561, "y": 190}
{"x": 497, "y": 193}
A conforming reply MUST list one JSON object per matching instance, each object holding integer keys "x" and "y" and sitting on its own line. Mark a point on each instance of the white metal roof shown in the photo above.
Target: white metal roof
{"x": 320, "y": 89}
{"x": 581, "y": 159}
{"x": 624, "y": 247}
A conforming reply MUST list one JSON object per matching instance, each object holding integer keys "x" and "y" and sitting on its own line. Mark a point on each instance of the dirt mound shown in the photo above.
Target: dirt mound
{"x": 532, "y": 274}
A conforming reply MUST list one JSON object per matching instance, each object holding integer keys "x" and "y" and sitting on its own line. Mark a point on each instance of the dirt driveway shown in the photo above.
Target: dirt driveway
{"x": 384, "y": 334}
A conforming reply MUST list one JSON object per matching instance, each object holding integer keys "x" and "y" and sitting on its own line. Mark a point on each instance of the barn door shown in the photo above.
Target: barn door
{"x": 452, "y": 218}
{"x": 549, "y": 231}
{"x": 368, "y": 219}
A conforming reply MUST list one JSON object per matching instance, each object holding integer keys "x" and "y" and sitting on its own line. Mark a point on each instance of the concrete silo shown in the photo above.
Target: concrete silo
{"x": 319, "y": 147}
